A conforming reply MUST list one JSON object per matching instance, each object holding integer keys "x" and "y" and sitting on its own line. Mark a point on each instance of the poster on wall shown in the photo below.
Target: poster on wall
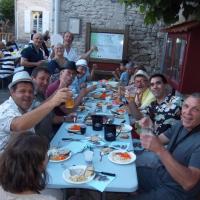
{"x": 110, "y": 45}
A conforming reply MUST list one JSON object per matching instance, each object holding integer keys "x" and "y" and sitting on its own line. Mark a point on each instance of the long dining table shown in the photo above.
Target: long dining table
{"x": 126, "y": 176}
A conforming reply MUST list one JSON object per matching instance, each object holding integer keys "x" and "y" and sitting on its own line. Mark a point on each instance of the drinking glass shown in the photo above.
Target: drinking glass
{"x": 69, "y": 104}
{"x": 88, "y": 155}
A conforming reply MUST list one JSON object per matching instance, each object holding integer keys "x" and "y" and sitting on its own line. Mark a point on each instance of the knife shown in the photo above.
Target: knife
{"x": 114, "y": 112}
{"x": 104, "y": 173}
{"x": 75, "y": 132}
{"x": 71, "y": 139}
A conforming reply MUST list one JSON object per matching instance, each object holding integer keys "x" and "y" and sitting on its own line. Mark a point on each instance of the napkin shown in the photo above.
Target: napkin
{"x": 101, "y": 185}
{"x": 76, "y": 147}
{"x": 120, "y": 145}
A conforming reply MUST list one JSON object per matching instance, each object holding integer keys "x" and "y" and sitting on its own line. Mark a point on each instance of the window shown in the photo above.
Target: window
{"x": 37, "y": 21}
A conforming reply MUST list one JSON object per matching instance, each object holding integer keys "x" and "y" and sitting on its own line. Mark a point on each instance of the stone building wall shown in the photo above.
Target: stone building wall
{"x": 30, "y": 5}
{"x": 145, "y": 42}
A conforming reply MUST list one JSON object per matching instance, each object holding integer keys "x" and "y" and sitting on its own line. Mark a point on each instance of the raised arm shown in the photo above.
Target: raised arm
{"x": 30, "y": 119}
{"x": 187, "y": 177}
{"x": 87, "y": 54}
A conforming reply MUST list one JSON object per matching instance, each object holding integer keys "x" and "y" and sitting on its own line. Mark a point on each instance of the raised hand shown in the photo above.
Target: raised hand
{"x": 60, "y": 96}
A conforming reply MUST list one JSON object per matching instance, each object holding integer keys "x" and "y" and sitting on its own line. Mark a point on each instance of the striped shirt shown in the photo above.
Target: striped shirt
{"x": 7, "y": 64}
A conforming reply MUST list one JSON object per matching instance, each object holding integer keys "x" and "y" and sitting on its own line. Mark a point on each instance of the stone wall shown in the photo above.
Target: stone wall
{"x": 145, "y": 42}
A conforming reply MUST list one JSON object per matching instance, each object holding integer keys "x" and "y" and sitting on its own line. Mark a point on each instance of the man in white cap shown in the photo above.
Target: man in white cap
{"x": 16, "y": 115}
{"x": 83, "y": 74}
{"x": 141, "y": 94}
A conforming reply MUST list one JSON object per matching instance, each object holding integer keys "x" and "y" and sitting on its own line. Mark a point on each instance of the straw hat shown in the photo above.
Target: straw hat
{"x": 21, "y": 76}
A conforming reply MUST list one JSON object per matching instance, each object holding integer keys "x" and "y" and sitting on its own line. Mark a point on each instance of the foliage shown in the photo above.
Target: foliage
{"x": 7, "y": 10}
{"x": 168, "y": 10}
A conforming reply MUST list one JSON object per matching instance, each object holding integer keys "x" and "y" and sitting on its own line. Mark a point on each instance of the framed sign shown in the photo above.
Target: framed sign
{"x": 74, "y": 25}
{"x": 111, "y": 44}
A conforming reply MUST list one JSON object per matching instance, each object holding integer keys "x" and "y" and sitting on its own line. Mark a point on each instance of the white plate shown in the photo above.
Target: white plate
{"x": 68, "y": 128}
{"x": 100, "y": 90}
{"x": 125, "y": 128}
{"x": 113, "y": 158}
{"x": 66, "y": 175}
{"x": 57, "y": 150}
{"x": 113, "y": 83}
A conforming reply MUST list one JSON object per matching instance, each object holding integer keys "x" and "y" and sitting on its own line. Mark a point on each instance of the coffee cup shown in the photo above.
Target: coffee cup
{"x": 83, "y": 129}
{"x": 97, "y": 122}
{"x": 110, "y": 132}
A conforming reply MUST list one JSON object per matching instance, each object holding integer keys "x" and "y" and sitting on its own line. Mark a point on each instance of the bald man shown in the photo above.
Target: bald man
{"x": 32, "y": 56}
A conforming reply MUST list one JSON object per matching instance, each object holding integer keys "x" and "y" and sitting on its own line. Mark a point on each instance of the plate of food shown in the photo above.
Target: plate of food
{"x": 99, "y": 104}
{"x": 121, "y": 157}
{"x": 78, "y": 174}
{"x": 97, "y": 95}
{"x": 96, "y": 140}
{"x": 119, "y": 111}
{"x": 75, "y": 128}
{"x": 59, "y": 154}
{"x": 113, "y": 83}
{"x": 124, "y": 128}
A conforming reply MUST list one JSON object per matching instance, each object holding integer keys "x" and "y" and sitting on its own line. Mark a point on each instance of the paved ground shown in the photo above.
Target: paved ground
{"x": 4, "y": 94}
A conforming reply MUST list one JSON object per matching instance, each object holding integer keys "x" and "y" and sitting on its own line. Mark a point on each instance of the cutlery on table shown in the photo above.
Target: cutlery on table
{"x": 75, "y": 132}
{"x": 104, "y": 173}
{"x": 114, "y": 112}
{"x": 70, "y": 139}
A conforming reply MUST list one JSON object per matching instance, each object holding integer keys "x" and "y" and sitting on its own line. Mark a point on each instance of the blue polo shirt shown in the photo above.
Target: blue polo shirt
{"x": 32, "y": 55}
{"x": 124, "y": 78}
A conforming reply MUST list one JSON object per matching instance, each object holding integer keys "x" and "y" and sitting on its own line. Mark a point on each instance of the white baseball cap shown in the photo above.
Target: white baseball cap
{"x": 21, "y": 76}
{"x": 81, "y": 62}
{"x": 141, "y": 73}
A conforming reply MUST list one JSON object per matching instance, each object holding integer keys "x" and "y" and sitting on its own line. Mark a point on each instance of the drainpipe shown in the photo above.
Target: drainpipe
{"x": 56, "y": 15}
{"x": 16, "y": 21}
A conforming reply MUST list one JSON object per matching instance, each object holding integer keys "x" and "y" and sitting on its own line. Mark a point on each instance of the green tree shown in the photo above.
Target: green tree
{"x": 166, "y": 10}
{"x": 7, "y": 10}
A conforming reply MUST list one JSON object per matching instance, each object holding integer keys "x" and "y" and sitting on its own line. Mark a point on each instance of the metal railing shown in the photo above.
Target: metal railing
{"x": 5, "y": 36}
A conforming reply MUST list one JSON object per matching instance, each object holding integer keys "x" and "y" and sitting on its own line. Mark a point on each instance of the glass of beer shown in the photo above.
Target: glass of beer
{"x": 69, "y": 104}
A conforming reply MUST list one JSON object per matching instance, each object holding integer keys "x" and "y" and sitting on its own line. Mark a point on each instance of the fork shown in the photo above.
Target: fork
{"x": 101, "y": 156}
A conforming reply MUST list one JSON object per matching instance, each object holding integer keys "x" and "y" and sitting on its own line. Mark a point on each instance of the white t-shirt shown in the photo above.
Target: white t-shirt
{"x": 8, "y": 111}
{"x": 72, "y": 55}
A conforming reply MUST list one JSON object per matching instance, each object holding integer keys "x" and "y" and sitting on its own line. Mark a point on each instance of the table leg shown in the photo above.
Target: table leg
{"x": 103, "y": 195}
